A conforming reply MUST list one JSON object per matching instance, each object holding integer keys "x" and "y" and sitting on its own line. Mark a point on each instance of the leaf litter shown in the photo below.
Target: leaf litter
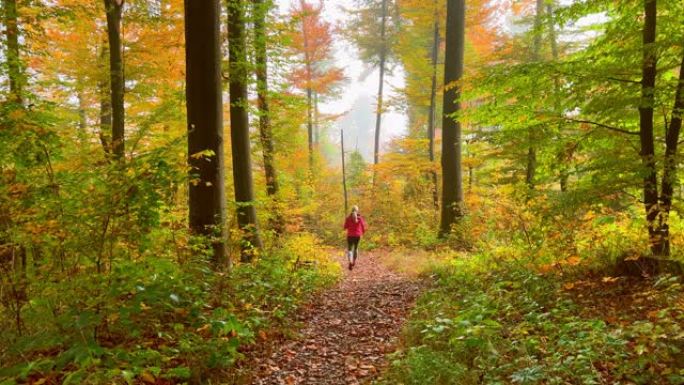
{"x": 347, "y": 331}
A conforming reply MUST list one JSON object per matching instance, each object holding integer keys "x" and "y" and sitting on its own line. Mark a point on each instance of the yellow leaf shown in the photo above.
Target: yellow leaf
{"x": 148, "y": 378}
{"x": 568, "y": 286}
{"x": 609, "y": 279}
{"x": 204, "y": 330}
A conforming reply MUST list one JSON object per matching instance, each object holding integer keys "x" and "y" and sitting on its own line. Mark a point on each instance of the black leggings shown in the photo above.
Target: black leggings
{"x": 353, "y": 245}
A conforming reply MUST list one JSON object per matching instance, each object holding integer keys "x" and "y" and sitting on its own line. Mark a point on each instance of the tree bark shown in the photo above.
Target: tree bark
{"x": 344, "y": 174}
{"x": 105, "y": 105}
{"x": 646, "y": 126}
{"x": 433, "y": 108}
{"x": 381, "y": 83}
{"x": 116, "y": 73}
{"x": 309, "y": 92}
{"x": 452, "y": 173}
{"x": 207, "y": 200}
{"x": 531, "y": 168}
{"x": 564, "y": 155}
{"x": 265, "y": 130}
{"x": 14, "y": 66}
{"x": 239, "y": 130}
{"x": 670, "y": 168}
{"x": 82, "y": 116}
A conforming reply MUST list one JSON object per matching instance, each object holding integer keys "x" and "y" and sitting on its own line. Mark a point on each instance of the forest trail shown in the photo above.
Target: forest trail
{"x": 347, "y": 330}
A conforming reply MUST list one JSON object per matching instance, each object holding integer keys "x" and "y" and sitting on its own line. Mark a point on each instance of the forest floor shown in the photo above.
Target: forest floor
{"x": 346, "y": 332}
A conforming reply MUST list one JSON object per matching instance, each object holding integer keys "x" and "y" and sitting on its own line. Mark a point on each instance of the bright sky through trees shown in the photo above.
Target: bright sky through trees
{"x": 361, "y": 83}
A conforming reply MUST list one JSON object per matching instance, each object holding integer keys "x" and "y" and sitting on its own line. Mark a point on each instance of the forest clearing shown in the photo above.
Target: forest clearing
{"x": 341, "y": 192}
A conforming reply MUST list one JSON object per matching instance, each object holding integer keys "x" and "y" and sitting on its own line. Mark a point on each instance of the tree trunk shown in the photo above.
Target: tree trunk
{"x": 309, "y": 92}
{"x": 317, "y": 132}
{"x": 116, "y": 74}
{"x": 452, "y": 173}
{"x": 564, "y": 156}
{"x": 433, "y": 108}
{"x": 670, "y": 168}
{"x": 14, "y": 66}
{"x": 82, "y": 116}
{"x": 265, "y": 130}
{"x": 105, "y": 105}
{"x": 531, "y": 168}
{"x": 205, "y": 123}
{"x": 239, "y": 130}
{"x": 344, "y": 175}
{"x": 381, "y": 83}
{"x": 646, "y": 126}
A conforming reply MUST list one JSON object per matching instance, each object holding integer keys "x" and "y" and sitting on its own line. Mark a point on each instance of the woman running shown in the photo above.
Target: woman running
{"x": 355, "y": 226}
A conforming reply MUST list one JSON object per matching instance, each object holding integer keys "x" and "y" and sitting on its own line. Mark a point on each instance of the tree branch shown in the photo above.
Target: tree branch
{"x": 616, "y": 129}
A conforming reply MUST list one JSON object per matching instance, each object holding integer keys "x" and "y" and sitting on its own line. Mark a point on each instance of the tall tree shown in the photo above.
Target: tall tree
{"x": 207, "y": 202}
{"x": 433, "y": 104}
{"x": 381, "y": 82}
{"x": 114, "y": 10}
{"x": 313, "y": 42}
{"x": 531, "y": 168}
{"x": 105, "y": 105}
{"x": 261, "y": 8}
{"x": 670, "y": 168}
{"x": 239, "y": 129}
{"x": 452, "y": 175}
{"x": 14, "y": 67}
{"x": 648, "y": 78}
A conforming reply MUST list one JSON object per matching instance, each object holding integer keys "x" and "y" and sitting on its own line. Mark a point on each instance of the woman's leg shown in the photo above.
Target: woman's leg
{"x": 356, "y": 247}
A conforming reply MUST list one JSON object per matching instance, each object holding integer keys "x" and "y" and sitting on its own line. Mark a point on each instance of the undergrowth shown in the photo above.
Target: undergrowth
{"x": 493, "y": 322}
{"x": 157, "y": 321}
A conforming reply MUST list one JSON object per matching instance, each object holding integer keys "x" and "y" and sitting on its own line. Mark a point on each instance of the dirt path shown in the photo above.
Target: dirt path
{"x": 348, "y": 330}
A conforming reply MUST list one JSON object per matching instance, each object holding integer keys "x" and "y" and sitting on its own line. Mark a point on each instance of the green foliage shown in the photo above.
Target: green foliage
{"x": 508, "y": 324}
{"x": 156, "y": 317}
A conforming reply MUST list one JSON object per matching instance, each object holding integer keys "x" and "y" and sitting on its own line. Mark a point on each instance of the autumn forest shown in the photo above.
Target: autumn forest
{"x": 341, "y": 192}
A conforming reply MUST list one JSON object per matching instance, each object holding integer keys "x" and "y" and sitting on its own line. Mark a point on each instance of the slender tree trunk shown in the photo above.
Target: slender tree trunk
{"x": 239, "y": 130}
{"x": 82, "y": 117}
{"x": 531, "y": 169}
{"x": 309, "y": 93}
{"x": 381, "y": 83}
{"x": 646, "y": 126}
{"x": 265, "y": 130}
{"x": 116, "y": 73}
{"x": 433, "y": 108}
{"x": 344, "y": 174}
{"x": 317, "y": 132}
{"x": 16, "y": 87}
{"x": 261, "y": 8}
{"x": 670, "y": 169}
{"x": 452, "y": 173}
{"x": 105, "y": 105}
{"x": 564, "y": 156}
{"x": 14, "y": 66}
{"x": 207, "y": 199}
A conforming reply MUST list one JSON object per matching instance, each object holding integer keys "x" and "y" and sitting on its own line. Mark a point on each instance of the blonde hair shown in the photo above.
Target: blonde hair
{"x": 355, "y": 209}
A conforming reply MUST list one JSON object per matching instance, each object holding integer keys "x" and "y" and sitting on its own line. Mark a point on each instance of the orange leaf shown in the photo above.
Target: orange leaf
{"x": 573, "y": 261}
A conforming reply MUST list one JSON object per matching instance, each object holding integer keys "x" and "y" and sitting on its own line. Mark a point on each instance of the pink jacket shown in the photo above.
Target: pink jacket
{"x": 355, "y": 229}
